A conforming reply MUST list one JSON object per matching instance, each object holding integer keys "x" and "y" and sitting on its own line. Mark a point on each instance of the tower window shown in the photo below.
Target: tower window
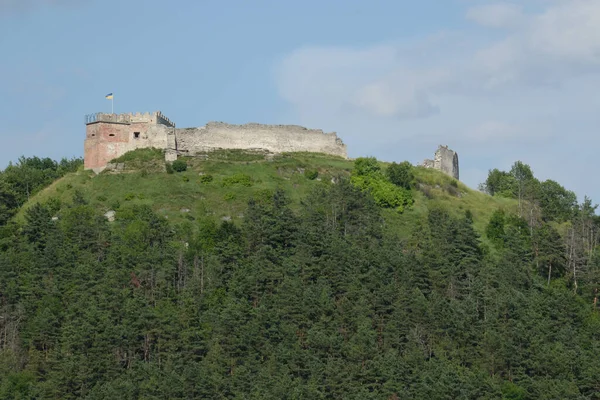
{"x": 136, "y": 135}
{"x": 111, "y": 134}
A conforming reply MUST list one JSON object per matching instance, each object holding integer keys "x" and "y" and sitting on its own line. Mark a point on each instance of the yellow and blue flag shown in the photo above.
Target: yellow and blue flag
{"x": 109, "y": 96}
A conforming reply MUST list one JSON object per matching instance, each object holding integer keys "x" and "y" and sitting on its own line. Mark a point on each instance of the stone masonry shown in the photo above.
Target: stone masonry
{"x": 109, "y": 136}
{"x": 445, "y": 160}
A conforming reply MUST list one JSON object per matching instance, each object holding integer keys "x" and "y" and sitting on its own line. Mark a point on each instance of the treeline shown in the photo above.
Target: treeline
{"x": 318, "y": 303}
{"x": 538, "y": 200}
{"x": 26, "y": 177}
{"x": 553, "y": 220}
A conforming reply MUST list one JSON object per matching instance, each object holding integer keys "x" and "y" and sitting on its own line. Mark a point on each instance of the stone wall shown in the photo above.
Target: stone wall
{"x": 273, "y": 138}
{"x": 155, "y": 117}
{"x": 445, "y": 160}
{"x": 109, "y": 136}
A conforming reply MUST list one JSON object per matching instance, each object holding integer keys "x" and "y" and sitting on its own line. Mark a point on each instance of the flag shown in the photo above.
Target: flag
{"x": 109, "y": 96}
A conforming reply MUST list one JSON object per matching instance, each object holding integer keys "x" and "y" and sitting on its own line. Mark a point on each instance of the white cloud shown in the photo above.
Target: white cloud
{"x": 403, "y": 94}
{"x": 568, "y": 31}
{"x": 372, "y": 80}
{"x": 561, "y": 42}
{"x": 497, "y": 15}
{"x": 520, "y": 95}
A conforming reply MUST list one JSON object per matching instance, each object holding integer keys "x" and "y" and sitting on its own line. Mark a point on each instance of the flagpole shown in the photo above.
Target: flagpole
{"x": 112, "y": 104}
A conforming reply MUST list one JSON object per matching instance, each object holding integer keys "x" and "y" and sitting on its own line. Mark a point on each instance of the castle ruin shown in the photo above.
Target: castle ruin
{"x": 109, "y": 136}
{"x": 445, "y": 160}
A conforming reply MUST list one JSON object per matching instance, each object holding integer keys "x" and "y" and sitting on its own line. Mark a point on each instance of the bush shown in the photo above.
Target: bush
{"x": 101, "y": 198}
{"x": 426, "y": 190}
{"x": 169, "y": 168}
{"x": 401, "y": 174}
{"x": 179, "y": 165}
{"x": 129, "y": 196}
{"x": 367, "y": 176}
{"x": 452, "y": 190}
{"x": 206, "y": 178}
{"x": 263, "y": 196}
{"x": 229, "y": 196}
{"x": 385, "y": 193}
{"x": 238, "y": 179}
{"x": 311, "y": 174}
{"x": 185, "y": 178}
{"x": 366, "y": 166}
{"x": 495, "y": 227}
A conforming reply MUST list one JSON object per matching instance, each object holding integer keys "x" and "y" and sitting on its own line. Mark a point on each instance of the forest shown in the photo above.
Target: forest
{"x": 319, "y": 299}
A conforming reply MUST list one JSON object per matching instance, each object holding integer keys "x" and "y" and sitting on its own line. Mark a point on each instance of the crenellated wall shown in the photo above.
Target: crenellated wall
{"x": 109, "y": 136}
{"x": 155, "y": 117}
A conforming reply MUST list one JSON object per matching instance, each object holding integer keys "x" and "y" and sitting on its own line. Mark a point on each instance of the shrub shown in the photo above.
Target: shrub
{"x": 238, "y": 179}
{"x": 229, "y": 196}
{"x": 101, "y": 198}
{"x": 495, "y": 227}
{"x": 401, "y": 174}
{"x": 206, "y": 178}
{"x": 179, "y": 165}
{"x": 452, "y": 190}
{"x": 366, "y": 166}
{"x": 426, "y": 190}
{"x": 185, "y": 178}
{"x": 53, "y": 204}
{"x": 367, "y": 177}
{"x": 311, "y": 174}
{"x": 129, "y": 196}
{"x": 263, "y": 196}
{"x": 169, "y": 168}
{"x": 385, "y": 193}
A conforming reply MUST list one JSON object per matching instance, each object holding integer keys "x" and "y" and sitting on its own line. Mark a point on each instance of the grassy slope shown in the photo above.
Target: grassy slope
{"x": 145, "y": 182}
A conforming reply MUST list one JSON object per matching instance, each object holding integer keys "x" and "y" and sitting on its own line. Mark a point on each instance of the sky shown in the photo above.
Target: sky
{"x": 495, "y": 81}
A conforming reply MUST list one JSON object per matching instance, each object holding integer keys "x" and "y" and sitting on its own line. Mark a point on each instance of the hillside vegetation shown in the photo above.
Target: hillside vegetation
{"x": 241, "y": 276}
{"x": 219, "y": 186}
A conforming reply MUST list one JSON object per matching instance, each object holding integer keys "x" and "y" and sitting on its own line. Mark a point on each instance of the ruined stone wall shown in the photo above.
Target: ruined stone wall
{"x": 445, "y": 160}
{"x": 273, "y": 138}
{"x": 109, "y": 136}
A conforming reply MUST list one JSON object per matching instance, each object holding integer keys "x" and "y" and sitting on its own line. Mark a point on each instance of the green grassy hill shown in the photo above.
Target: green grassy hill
{"x": 218, "y": 185}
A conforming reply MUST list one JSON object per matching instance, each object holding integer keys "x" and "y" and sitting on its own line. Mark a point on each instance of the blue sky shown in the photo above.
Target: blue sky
{"x": 496, "y": 81}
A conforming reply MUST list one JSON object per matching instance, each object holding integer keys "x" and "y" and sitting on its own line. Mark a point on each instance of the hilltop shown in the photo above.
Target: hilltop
{"x": 219, "y": 184}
